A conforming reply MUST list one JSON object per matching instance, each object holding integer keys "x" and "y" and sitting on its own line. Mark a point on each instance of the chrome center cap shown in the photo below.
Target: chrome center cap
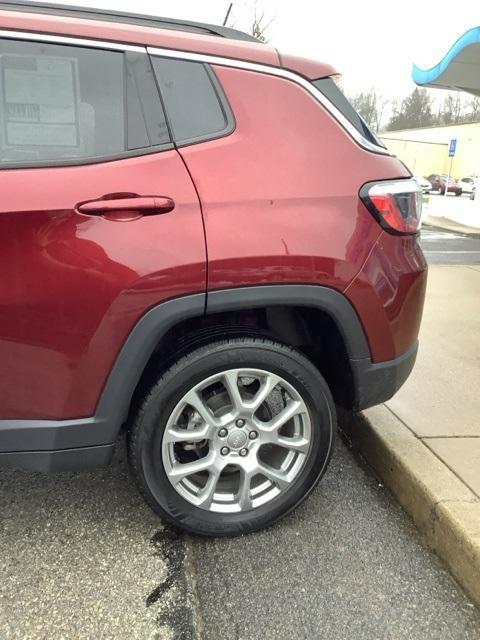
{"x": 237, "y": 439}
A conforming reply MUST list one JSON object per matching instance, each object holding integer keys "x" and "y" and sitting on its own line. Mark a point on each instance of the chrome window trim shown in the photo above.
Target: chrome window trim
{"x": 281, "y": 73}
{"x": 209, "y": 59}
{"x": 72, "y": 41}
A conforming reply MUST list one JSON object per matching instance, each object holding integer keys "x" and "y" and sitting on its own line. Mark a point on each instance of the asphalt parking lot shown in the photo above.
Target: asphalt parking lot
{"x": 84, "y": 558}
{"x": 447, "y": 247}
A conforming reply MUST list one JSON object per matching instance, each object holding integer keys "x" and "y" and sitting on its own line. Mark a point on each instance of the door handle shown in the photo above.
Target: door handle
{"x": 140, "y": 205}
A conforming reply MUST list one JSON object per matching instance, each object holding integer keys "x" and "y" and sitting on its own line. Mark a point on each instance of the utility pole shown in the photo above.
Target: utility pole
{"x": 228, "y": 14}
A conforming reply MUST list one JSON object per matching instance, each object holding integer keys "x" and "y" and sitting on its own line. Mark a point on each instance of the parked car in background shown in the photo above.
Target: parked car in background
{"x": 424, "y": 184}
{"x": 202, "y": 243}
{"x": 468, "y": 184}
{"x": 439, "y": 183}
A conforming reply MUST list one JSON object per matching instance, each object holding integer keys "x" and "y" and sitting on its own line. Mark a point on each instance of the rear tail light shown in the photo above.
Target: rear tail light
{"x": 397, "y": 204}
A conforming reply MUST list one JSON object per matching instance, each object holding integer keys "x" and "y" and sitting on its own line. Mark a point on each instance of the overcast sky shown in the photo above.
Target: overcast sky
{"x": 372, "y": 43}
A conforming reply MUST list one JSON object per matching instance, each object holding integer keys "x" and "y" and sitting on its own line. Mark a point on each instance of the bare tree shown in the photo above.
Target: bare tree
{"x": 370, "y": 105}
{"x": 474, "y": 106}
{"x": 451, "y": 110}
{"x": 456, "y": 108}
{"x": 259, "y": 26}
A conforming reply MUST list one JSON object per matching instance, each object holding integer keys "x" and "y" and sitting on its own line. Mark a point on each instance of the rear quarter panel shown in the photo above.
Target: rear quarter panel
{"x": 280, "y": 194}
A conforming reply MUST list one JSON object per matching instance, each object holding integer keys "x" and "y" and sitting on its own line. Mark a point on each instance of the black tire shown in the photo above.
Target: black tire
{"x": 458, "y": 193}
{"x": 147, "y": 428}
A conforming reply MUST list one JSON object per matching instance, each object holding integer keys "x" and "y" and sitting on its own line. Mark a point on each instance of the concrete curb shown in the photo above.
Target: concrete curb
{"x": 443, "y": 508}
{"x": 445, "y": 224}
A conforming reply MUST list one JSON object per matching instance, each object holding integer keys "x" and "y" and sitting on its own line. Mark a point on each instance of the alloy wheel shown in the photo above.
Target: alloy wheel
{"x": 236, "y": 440}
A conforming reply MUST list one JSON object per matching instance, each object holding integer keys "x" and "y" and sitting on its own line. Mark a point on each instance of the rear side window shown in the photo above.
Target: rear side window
{"x": 196, "y": 106}
{"x": 68, "y": 104}
{"x": 331, "y": 90}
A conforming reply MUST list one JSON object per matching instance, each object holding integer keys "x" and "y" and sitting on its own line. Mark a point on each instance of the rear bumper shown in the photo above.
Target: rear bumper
{"x": 388, "y": 295}
{"x": 375, "y": 383}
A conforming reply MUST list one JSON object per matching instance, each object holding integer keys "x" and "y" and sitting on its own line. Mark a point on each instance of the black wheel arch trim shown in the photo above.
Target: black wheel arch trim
{"x": 102, "y": 429}
{"x": 299, "y": 295}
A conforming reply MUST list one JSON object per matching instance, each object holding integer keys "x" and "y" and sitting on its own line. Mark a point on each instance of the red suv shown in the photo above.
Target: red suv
{"x": 439, "y": 183}
{"x": 203, "y": 243}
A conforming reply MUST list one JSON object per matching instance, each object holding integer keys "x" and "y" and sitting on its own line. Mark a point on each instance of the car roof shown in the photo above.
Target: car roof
{"x": 127, "y": 18}
{"x": 136, "y": 29}
{"x": 88, "y": 23}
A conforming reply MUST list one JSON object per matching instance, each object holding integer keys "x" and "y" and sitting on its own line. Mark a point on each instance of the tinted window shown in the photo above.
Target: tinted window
{"x": 331, "y": 90}
{"x": 146, "y": 119}
{"x": 193, "y": 100}
{"x": 60, "y": 103}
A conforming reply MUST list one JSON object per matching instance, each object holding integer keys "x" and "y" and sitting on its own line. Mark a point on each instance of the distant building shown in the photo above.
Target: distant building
{"x": 425, "y": 151}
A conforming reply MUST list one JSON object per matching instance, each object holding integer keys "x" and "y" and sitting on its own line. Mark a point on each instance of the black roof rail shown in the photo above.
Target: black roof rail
{"x": 128, "y": 18}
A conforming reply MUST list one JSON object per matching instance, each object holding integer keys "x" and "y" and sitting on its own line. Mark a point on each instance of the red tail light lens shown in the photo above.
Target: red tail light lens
{"x": 397, "y": 205}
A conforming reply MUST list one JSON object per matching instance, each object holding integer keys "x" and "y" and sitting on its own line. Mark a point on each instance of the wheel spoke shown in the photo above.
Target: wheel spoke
{"x": 194, "y": 400}
{"x": 243, "y": 496}
{"x": 231, "y": 384}
{"x": 298, "y": 444}
{"x": 205, "y": 496}
{"x": 293, "y": 408}
{"x": 187, "y": 435}
{"x": 268, "y": 385}
{"x": 180, "y": 470}
{"x": 277, "y": 476}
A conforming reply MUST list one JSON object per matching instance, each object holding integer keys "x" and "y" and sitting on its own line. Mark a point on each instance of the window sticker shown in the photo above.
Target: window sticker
{"x": 41, "y": 105}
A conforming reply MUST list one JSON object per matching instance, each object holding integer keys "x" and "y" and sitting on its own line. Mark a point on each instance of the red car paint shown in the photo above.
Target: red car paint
{"x": 388, "y": 293}
{"x": 73, "y": 285}
{"x": 279, "y": 211}
{"x": 276, "y": 201}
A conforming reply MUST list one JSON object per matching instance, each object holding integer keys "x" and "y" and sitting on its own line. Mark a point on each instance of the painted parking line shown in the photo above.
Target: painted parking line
{"x": 427, "y": 251}
{"x": 440, "y": 236}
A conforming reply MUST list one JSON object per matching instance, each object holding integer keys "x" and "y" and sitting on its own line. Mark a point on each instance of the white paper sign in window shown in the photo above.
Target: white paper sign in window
{"x": 41, "y": 103}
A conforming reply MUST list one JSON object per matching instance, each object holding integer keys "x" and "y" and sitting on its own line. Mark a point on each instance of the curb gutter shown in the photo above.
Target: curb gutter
{"x": 445, "y": 224}
{"x": 445, "y": 510}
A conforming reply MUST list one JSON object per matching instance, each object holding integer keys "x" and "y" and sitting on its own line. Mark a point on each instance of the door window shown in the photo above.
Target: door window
{"x": 195, "y": 103}
{"x": 68, "y": 104}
